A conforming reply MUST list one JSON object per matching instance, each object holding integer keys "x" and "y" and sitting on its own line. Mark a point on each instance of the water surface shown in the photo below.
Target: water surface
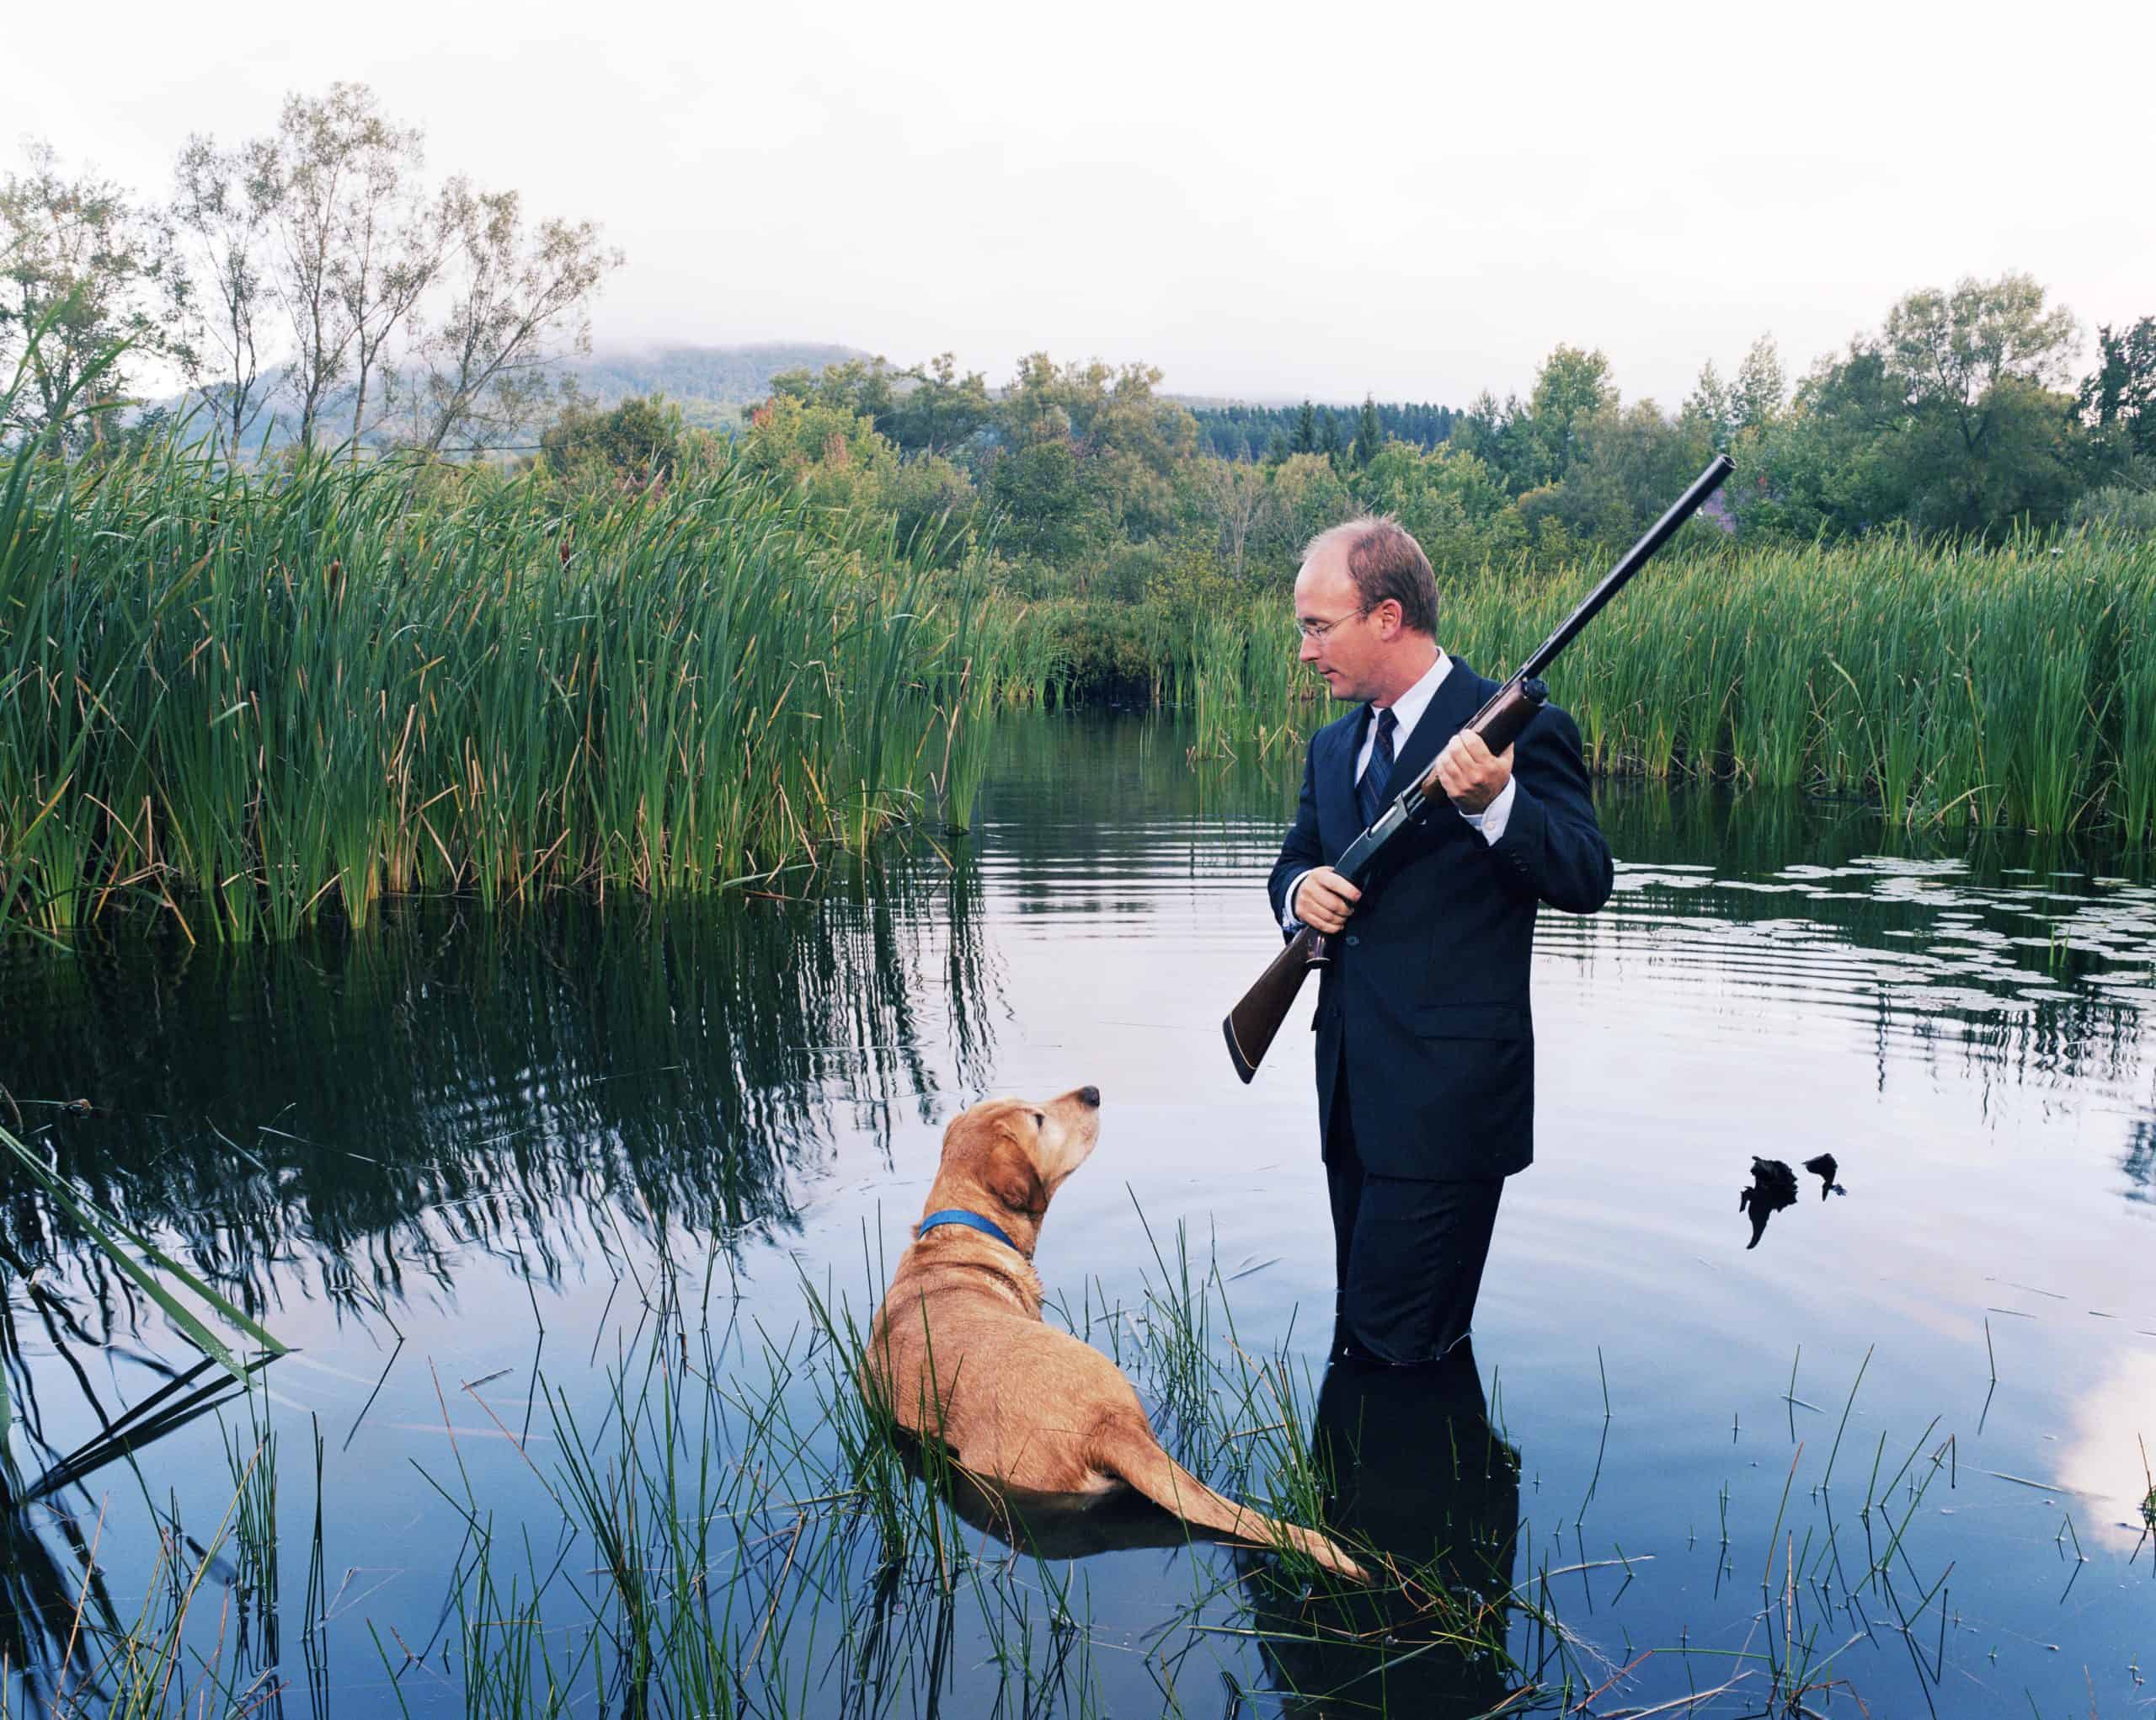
{"x": 465, "y": 1163}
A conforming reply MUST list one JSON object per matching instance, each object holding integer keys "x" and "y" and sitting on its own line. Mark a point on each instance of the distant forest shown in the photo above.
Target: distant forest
{"x": 1240, "y": 432}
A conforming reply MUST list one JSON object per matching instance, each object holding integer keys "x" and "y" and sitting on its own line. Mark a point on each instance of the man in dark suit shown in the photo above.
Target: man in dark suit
{"x": 1425, "y": 1044}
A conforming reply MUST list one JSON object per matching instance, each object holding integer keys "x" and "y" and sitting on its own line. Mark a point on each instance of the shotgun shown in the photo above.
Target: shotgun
{"x": 1251, "y": 1023}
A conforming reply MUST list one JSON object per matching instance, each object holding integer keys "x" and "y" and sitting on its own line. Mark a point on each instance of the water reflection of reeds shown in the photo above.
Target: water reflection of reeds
{"x": 370, "y": 1106}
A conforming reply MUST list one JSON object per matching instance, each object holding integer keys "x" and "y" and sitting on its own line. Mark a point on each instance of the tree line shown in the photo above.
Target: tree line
{"x": 314, "y": 278}
{"x": 313, "y": 273}
{"x": 1958, "y": 418}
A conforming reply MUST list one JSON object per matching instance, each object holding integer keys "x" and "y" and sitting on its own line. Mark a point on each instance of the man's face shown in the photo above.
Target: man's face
{"x": 1350, "y": 653}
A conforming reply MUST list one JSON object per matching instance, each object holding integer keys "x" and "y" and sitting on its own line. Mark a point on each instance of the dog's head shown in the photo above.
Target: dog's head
{"x": 1016, "y": 1152}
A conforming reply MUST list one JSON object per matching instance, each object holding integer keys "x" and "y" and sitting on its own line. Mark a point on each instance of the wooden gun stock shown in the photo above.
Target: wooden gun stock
{"x": 1253, "y": 1023}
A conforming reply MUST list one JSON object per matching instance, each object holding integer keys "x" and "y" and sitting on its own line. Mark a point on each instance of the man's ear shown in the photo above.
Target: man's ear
{"x": 1013, "y": 1180}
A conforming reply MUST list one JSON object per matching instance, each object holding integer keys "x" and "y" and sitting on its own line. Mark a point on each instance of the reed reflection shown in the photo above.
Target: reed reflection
{"x": 362, "y": 1108}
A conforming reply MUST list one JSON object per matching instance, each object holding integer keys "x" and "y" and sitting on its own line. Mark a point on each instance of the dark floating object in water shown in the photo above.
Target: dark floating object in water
{"x": 1823, "y": 1167}
{"x": 1773, "y": 1187}
{"x": 78, "y": 1108}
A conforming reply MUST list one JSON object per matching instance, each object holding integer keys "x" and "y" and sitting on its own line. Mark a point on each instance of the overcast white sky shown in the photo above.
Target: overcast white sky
{"x": 1418, "y": 200}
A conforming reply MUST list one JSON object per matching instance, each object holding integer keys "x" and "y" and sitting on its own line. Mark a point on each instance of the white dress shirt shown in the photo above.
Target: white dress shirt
{"x": 1406, "y": 711}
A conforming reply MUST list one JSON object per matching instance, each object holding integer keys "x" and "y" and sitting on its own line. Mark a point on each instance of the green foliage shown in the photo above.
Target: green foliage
{"x": 2124, "y": 511}
{"x": 1450, "y": 500}
{"x": 1369, "y": 432}
{"x": 829, "y": 450}
{"x": 1948, "y": 421}
{"x": 89, "y": 281}
{"x": 1573, "y": 388}
{"x": 928, "y": 410}
{"x": 1235, "y": 430}
{"x": 632, "y": 446}
{"x": 2117, "y": 401}
{"x": 1303, "y": 439}
{"x": 1049, "y": 507}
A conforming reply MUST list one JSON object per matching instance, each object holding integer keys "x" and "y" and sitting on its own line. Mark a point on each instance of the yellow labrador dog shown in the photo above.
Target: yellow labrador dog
{"x": 958, "y": 1351}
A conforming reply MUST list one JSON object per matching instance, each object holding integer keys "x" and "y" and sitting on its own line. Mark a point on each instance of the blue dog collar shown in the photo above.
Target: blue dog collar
{"x": 972, "y": 1220}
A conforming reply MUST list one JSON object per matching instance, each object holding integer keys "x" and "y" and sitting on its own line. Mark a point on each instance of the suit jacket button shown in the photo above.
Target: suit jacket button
{"x": 1353, "y": 939}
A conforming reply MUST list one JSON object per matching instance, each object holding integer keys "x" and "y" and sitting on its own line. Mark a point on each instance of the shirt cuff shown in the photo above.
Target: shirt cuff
{"x": 1491, "y": 820}
{"x": 1288, "y": 923}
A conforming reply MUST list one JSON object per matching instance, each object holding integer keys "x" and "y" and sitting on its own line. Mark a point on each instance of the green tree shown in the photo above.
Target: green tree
{"x": 1828, "y": 465}
{"x": 1047, "y": 508}
{"x": 1453, "y": 503}
{"x": 1571, "y": 387}
{"x": 1504, "y": 438}
{"x": 1124, "y": 446}
{"x": 1987, "y": 441}
{"x": 1240, "y": 502}
{"x": 1757, "y": 398}
{"x": 1722, "y": 412}
{"x": 1951, "y": 418}
{"x": 1035, "y": 406}
{"x": 1709, "y": 406}
{"x": 932, "y": 500}
{"x": 82, "y": 268}
{"x": 1309, "y": 496}
{"x": 864, "y": 387}
{"x": 1369, "y": 434}
{"x": 830, "y": 452}
{"x": 636, "y": 444}
{"x": 942, "y": 410}
{"x": 1303, "y": 438}
{"x": 1629, "y": 464}
{"x": 2117, "y": 400}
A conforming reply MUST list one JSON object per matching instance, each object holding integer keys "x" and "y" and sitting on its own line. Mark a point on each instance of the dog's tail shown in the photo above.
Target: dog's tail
{"x": 1128, "y": 1449}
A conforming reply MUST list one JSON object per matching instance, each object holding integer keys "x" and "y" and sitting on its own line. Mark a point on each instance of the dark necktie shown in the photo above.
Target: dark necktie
{"x": 1370, "y": 791}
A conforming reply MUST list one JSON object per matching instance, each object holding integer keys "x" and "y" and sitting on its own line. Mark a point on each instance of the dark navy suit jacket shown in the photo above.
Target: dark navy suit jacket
{"x": 1425, "y": 1007}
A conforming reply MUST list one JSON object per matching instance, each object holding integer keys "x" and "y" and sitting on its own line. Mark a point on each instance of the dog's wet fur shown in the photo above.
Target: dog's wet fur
{"x": 959, "y": 1353}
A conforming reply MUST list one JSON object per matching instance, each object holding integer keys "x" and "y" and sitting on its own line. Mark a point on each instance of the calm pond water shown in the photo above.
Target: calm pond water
{"x": 495, "y": 1177}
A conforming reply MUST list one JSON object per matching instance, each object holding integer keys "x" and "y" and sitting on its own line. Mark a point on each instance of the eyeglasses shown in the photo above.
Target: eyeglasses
{"x": 1319, "y": 629}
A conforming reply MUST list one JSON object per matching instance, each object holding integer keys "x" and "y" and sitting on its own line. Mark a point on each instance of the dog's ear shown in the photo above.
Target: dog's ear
{"x": 1012, "y": 1176}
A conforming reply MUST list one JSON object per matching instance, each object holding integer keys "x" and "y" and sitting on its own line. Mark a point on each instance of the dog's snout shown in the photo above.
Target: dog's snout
{"x": 1090, "y": 1097}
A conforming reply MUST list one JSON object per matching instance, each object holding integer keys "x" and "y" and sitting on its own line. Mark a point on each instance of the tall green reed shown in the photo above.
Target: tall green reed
{"x": 253, "y": 698}
{"x": 2012, "y": 685}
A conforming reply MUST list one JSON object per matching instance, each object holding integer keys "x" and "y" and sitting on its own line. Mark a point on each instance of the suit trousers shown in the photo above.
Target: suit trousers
{"x": 1408, "y": 1253}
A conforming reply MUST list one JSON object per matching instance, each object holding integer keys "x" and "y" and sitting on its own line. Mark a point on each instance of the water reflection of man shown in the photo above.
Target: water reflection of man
{"x": 1423, "y": 1017}
{"x": 1417, "y": 1471}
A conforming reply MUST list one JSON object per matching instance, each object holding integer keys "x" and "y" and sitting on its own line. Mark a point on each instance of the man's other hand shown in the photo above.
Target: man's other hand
{"x": 1324, "y": 900}
{"x": 1470, "y": 774}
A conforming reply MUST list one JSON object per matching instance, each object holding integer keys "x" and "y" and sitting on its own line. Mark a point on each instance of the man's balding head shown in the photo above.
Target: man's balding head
{"x": 1385, "y": 562}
